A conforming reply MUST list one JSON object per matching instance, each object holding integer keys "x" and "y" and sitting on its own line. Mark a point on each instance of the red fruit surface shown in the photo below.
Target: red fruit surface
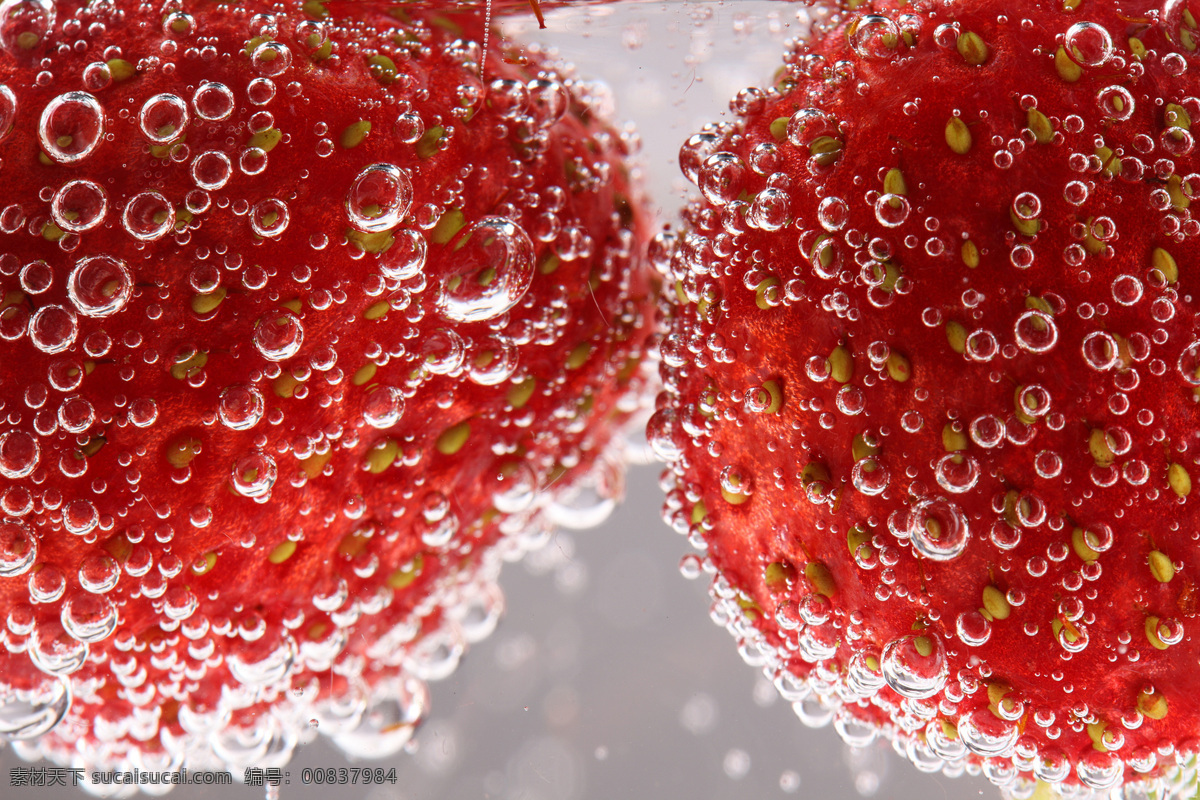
{"x": 931, "y": 383}
{"x": 307, "y": 320}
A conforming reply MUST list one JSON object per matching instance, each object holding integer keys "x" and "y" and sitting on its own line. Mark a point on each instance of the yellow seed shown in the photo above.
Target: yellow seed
{"x": 898, "y": 367}
{"x": 1039, "y": 124}
{"x": 820, "y": 578}
{"x": 315, "y": 9}
{"x": 814, "y": 471}
{"x": 453, "y": 439}
{"x": 970, "y": 254}
{"x": 1179, "y": 198}
{"x": 354, "y": 133}
{"x": 735, "y": 496}
{"x": 314, "y": 465}
{"x": 1025, "y": 227}
{"x": 958, "y": 136}
{"x": 893, "y": 182}
{"x": 378, "y": 242}
{"x": 407, "y": 574}
{"x": 1112, "y": 166}
{"x": 763, "y": 294}
{"x": 285, "y": 385}
{"x": 856, "y": 540}
{"x": 1152, "y": 704}
{"x": 779, "y": 128}
{"x": 1152, "y": 634}
{"x": 1100, "y": 446}
{"x": 282, "y": 552}
{"x": 778, "y": 574}
{"x": 924, "y": 646}
{"x": 181, "y": 451}
{"x": 1165, "y": 264}
{"x": 383, "y": 69}
{"x": 377, "y": 310}
{"x": 1137, "y": 48}
{"x": 266, "y": 140}
{"x": 1188, "y": 40}
{"x": 699, "y": 512}
{"x": 953, "y": 438}
{"x": 1161, "y": 567}
{"x": 1081, "y": 542}
{"x": 996, "y": 691}
{"x": 995, "y": 603}
{"x": 860, "y": 448}
{"x": 1095, "y": 732}
{"x": 972, "y": 48}
{"x": 519, "y": 394}
{"x": 841, "y": 364}
{"x": 382, "y": 456}
{"x": 364, "y": 374}
{"x": 189, "y": 366}
{"x": 956, "y": 335}
{"x": 825, "y": 150}
{"x": 205, "y": 563}
{"x": 1066, "y": 68}
{"x": 428, "y": 145}
{"x": 579, "y": 355}
{"x": 120, "y": 69}
{"x": 1178, "y": 117}
{"x": 207, "y": 303}
{"x": 1179, "y": 480}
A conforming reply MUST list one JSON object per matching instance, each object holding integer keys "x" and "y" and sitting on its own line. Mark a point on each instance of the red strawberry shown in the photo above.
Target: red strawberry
{"x": 308, "y": 313}
{"x": 931, "y": 383}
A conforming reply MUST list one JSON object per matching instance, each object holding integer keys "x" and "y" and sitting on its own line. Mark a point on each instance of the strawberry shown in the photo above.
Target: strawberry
{"x": 309, "y": 312}
{"x": 931, "y": 383}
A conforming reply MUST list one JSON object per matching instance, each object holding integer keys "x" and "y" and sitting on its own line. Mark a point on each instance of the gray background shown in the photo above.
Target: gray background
{"x": 606, "y": 678}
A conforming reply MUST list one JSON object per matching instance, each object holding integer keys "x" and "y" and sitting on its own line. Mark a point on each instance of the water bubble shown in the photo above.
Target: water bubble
{"x": 1088, "y": 44}
{"x": 260, "y": 91}
{"x": 1116, "y": 102}
{"x": 279, "y": 337}
{"x": 89, "y": 618}
{"x": 548, "y": 101}
{"x": 722, "y": 178}
{"x": 1126, "y": 290}
{"x": 53, "y": 329}
{"x": 986, "y": 735}
{"x": 47, "y": 585}
{"x": 28, "y": 714}
{"x": 406, "y": 257}
{"x": 271, "y": 58}
{"x": 379, "y": 198}
{"x": 211, "y": 169}
{"x": 253, "y": 475}
{"x": 494, "y": 271}
{"x": 444, "y": 351}
{"x": 25, "y": 23}
{"x": 973, "y": 629}
{"x": 809, "y": 124}
{"x": 1075, "y": 192}
{"x": 873, "y": 36}
{"x": 869, "y": 477}
{"x": 1100, "y": 771}
{"x": 143, "y": 412}
{"x": 1035, "y": 331}
{"x": 269, "y": 218}
{"x": 54, "y": 651}
{"x": 958, "y": 473}
{"x": 78, "y": 206}
{"x": 148, "y": 216}
{"x": 99, "y": 286}
{"x": 1189, "y": 363}
{"x": 71, "y": 127}
{"x": 163, "y": 118}
{"x": 76, "y": 414}
{"x": 981, "y": 346}
{"x": 18, "y": 547}
{"x": 1100, "y": 351}
{"x": 915, "y": 666}
{"x": 938, "y": 529}
{"x": 213, "y": 101}
{"x": 383, "y": 407}
{"x": 833, "y": 213}
{"x": 770, "y": 211}
{"x": 36, "y": 277}
{"x": 252, "y": 161}
{"x": 240, "y": 407}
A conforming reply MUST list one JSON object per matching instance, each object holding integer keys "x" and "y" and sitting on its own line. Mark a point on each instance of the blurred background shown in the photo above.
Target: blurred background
{"x": 606, "y": 678}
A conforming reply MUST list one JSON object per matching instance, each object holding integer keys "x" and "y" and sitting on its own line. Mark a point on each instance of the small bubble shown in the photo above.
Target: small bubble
{"x": 163, "y": 118}
{"x": 379, "y": 198}
{"x": 100, "y": 286}
{"x": 253, "y": 475}
{"x": 240, "y": 407}
{"x": 211, "y": 170}
{"x": 148, "y": 216}
{"x": 269, "y": 218}
{"x": 78, "y": 205}
{"x": 213, "y": 101}
{"x": 71, "y": 127}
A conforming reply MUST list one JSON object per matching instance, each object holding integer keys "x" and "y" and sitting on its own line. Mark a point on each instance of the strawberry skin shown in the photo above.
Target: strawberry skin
{"x": 931, "y": 375}
{"x": 305, "y": 310}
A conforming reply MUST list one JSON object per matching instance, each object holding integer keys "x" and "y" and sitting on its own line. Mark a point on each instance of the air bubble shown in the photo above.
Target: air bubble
{"x": 891, "y": 210}
{"x": 1088, "y": 44}
{"x": 874, "y": 36}
{"x": 213, "y": 101}
{"x": 211, "y": 169}
{"x": 71, "y": 127}
{"x": 915, "y": 666}
{"x": 1116, "y": 102}
{"x": 986, "y": 735}
{"x": 148, "y": 216}
{"x": 18, "y": 545}
{"x": 78, "y": 205}
{"x": 938, "y": 529}
{"x": 24, "y": 24}
{"x": 99, "y": 286}
{"x": 53, "y": 329}
{"x": 1126, "y": 290}
{"x": 163, "y": 118}
{"x": 1036, "y": 332}
{"x": 269, "y": 218}
{"x": 271, "y": 58}
{"x": 379, "y": 198}
{"x": 253, "y": 475}
{"x": 383, "y": 407}
{"x": 240, "y": 407}
{"x": 494, "y": 271}
{"x": 8, "y": 111}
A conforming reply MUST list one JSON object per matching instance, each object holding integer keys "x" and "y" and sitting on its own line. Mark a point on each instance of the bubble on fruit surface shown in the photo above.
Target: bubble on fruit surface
{"x": 253, "y": 475}
{"x": 271, "y": 58}
{"x": 76, "y": 414}
{"x": 938, "y": 529}
{"x": 53, "y": 329}
{"x": 78, "y": 205}
{"x": 406, "y": 257}
{"x": 722, "y": 178}
{"x": 279, "y": 337}
{"x": 379, "y": 198}
{"x": 957, "y": 472}
{"x": 383, "y": 407}
{"x": 213, "y": 101}
{"x": 89, "y": 617}
{"x": 494, "y": 271}
{"x": 891, "y": 210}
{"x": 8, "y": 111}
{"x": 268, "y": 668}
{"x": 71, "y": 127}
{"x": 25, "y": 23}
{"x": 1188, "y": 364}
{"x": 1115, "y": 102}
{"x": 99, "y": 286}
{"x": 54, "y": 651}
{"x": 873, "y": 36}
{"x": 1100, "y": 351}
{"x": 148, "y": 216}
{"x": 30, "y": 713}
{"x": 47, "y": 585}
{"x": 833, "y": 213}
{"x": 1036, "y": 331}
{"x": 974, "y": 630}
{"x": 1088, "y": 44}
{"x": 240, "y": 407}
{"x": 986, "y": 735}
{"x": 163, "y": 117}
{"x": 770, "y": 211}
{"x": 211, "y": 169}
{"x": 870, "y": 477}
{"x": 388, "y": 723}
{"x": 18, "y": 548}
{"x": 915, "y": 666}
{"x": 1100, "y": 771}
{"x": 19, "y": 454}
{"x": 269, "y": 218}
